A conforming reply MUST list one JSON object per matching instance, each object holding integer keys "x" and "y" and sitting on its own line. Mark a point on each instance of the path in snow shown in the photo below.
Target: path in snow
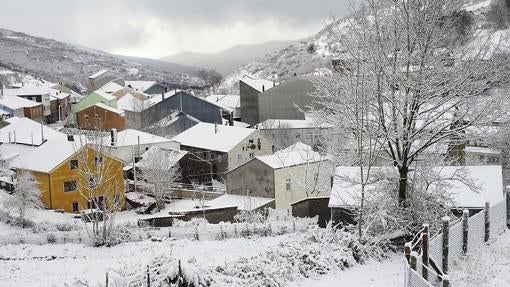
{"x": 486, "y": 267}
{"x": 373, "y": 274}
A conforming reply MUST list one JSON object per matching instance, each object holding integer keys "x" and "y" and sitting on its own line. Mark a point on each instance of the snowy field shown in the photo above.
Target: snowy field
{"x": 486, "y": 267}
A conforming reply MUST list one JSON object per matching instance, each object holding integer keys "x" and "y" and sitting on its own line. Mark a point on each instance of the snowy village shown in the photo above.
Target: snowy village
{"x": 373, "y": 151}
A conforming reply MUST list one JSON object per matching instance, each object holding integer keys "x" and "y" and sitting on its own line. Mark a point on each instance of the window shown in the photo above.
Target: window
{"x": 287, "y": 184}
{"x": 74, "y": 164}
{"x": 250, "y": 141}
{"x": 252, "y": 155}
{"x": 69, "y": 186}
{"x": 76, "y": 207}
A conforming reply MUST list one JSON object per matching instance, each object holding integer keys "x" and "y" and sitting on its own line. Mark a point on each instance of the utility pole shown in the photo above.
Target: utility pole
{"x": 134, "y": 168}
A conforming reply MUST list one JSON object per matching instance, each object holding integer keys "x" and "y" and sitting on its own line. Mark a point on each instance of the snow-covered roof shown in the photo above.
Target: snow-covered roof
{"x": 9, "y": 152}
{"x": 129, "y": 137}
{"x": 110, "y": 87}
{"x": 98, "y": 74}
{"x": 171, "y": 118}
{"x": 347, "y": 192}
{"x": 479, "y": 149}
{"x": 228, "y": 101}
{"x": 258, "y": 84}
{"x": 49, "y": 155}
{"x": 27, "y": 91}
{"x": 57, "y": 94}
{"x": 296, "y": 154}
{"x": 172, "y": 156}
{"x": 27, "y": 131}
{"x": 206, "y": 136}
{"x": 154, "y": 99}
{"x": 104, "y": 95}
{"x": 242, "y": 202}
{"x": 14, "y": 102}
{"x": 308, "y": 122}
{"x": 141, "y": 86}
{"x": 108, "y": 108}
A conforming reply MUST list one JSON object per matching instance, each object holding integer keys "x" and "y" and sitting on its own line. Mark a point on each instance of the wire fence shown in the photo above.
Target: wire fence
{"x": 431, "y": 274}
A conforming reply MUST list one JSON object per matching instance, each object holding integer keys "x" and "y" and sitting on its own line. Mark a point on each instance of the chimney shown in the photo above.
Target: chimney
{"x": 162, "y": 96}
{"x": 14, "y": 132}
{"x": 9, "y": 137}
{"x": 113, "y": 136}
{"x": 70, "y": 138}
{"x": 215, "y": 128}
{"x": 42, "y": 132}
{"x": 263, "y": 88}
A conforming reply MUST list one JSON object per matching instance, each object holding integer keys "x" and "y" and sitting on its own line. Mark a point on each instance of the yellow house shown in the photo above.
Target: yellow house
{"x": 63, "y": 169}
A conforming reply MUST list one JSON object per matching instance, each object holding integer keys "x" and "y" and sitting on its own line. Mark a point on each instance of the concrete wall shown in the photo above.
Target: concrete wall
{"x": 249, "y": 104}
{"x": 255, "y": 176}
{"x": 280, "y": 102}
{"x": 299, "y": 176}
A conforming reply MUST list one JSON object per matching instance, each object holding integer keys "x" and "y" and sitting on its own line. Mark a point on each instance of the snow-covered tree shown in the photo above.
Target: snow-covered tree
{"x": 423, "y": 83}
{"x": 159, "y": 168}
{"x": 100, "y": 184}
{"x": 26, "y": 195}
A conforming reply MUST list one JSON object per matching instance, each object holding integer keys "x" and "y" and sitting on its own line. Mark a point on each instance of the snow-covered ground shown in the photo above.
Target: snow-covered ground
{"x": 486, "y": 267}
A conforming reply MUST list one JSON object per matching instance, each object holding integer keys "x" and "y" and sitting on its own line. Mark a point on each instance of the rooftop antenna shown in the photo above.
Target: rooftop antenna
{"x": 42, "y": 132}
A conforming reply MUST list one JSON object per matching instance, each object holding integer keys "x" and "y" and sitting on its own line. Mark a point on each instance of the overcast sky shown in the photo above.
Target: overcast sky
{"x": 156, "y": 28}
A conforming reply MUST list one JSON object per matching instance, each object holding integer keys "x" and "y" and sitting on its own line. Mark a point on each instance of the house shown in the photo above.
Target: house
{"x": 131, "y": 143}
{"x": 172, "y": 125}
{"x": 110, "y": 88}
{"x": 284, "y": 133}
{"x": 95, "y": 98}
{"x": 227, "y": 147}
{"x": 165, "y": 104}
{"x": 230, "y": 102}
{"x": 13, "y": 106}
{"x": 60, "y": 106}
{"x": 131, "y": 100}
{"x": 57, "y": 166}
{"x": 289, "y": 175}
{"x": 146, "y": 87}
{"x": 100, "y": 117}
{"x": 249, "y": 90}
{"x": 191, "y": 169}
{"x": 346, "y": 189}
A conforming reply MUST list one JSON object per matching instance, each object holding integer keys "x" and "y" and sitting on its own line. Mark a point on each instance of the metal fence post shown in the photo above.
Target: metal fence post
{"x": 487, "y": 221}
{"x": 425, "y": 251}
{"x": 148, "y": 277}
{"x": 446, "y": 245}
{"x": 465, "y": 231}
{"x": 446, "y": 281}
{"x": 106, "y": 279}
{"x": 407, "y": 251}
{"x": 413, "y": 261}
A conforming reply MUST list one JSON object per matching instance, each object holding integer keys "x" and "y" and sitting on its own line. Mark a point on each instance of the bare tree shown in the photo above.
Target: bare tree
{"x": 425, "y": 85}
{"x": 159, "y": 168}
{"x": 211, "y": 78}
{"x": 26, "y": 195}
{"x": 101, "y": 183}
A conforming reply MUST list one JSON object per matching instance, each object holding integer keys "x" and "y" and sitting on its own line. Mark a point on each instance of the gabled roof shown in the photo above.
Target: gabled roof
{"x": 203, "y": 136}
{"x": 346, "y": 190}
{"x": 106, "y": 107}
{"x": 27, "y": 91}
{"x": 14, "y": 102}
{"x": 104, "y": 95}
{"x": 172, "y": 156}
{"x": 129, "y": 137}
{"x": 49, "y": 155}
{"x": 296, "y": 154}
{"x": 110, "y": 88}
{"x": 141, "y": 86}
{"x": 228, "y": 101}
{"x": 258, "y": 84}
{"x": 28, "y": 132}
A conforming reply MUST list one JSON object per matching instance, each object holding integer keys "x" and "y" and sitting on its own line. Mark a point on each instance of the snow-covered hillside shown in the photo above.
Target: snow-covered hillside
{"x": 314, "y": 55}
{"x": 61, "y": 62}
